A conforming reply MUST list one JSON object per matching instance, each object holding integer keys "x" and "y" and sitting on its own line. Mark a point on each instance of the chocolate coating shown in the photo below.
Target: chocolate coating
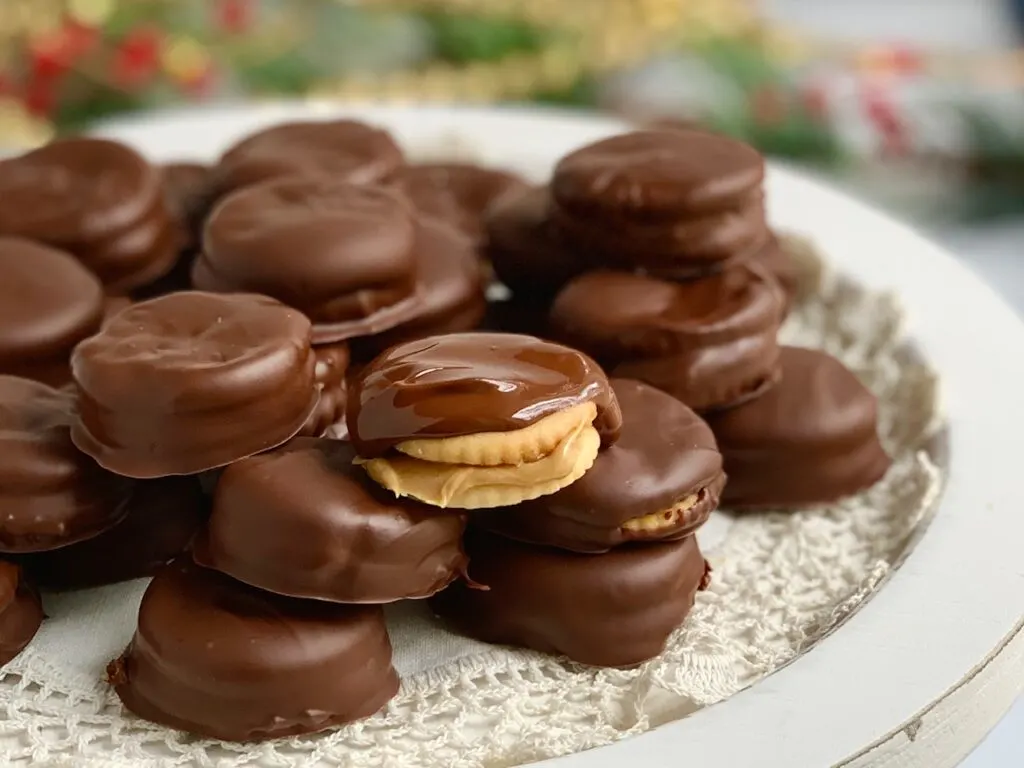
{"x": 21, "y": 612}
{"x": 664, "y": 454}
{"x": 810, "y": 440}
{"x": 163, "y": 516}
{"x": 523, "y": 247}
{"x": 615, "y": 610}
{"x": 332, "y": 361}
{"x": 134, "y": 257}
{"x": 186, "y": 188}
{"x": 344, "y": 150}
{"x": 218, "y": 658}
{"x": 305, "y": 521}
{"x": 652, "y": 175}
{"x": 75, "y": 190}
{"x": 48, "y": 303}
{"x": 781, "y": 265}
{"x": 710, "y": 343}
{"x": 193, "y": 381}
{"x": 450, "y": 290}
{"x": 332, "y": 249}
{"x": 51, "y": 495}
{"x": 466, "y": 383}
{"x": 456, "y": 194}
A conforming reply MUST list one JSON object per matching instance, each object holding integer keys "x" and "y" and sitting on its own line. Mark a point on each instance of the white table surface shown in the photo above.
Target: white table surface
{"x": 996, "y": 252}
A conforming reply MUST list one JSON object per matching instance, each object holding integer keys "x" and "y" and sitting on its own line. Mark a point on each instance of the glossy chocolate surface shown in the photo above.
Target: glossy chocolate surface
{"x": 709, "y": 342}
{"x": 218, "y": 658}
{"x": 334, "y": 250}
{"x": 332, "y": 361}
{"x": 810, "y": 440}
{"x": 649, "y": 175}
{"x": 683, "y": 249}
{"x": 466, "y": 383}
{"x": 303, "y": 520}
{"x": 75, "y": 190}
{"x": 51, "y": 495}
{"x": 344, "y": 150}
{"x": 664, "y": 454}
{"x": 193, "y": 381}
{"x": 456, "y": 194}
{"x": 48, "y": 303}
{"x": 21, "y": 612}
{"x": 781, "y": 265}
{"x": 450, "y": 289}
{"x": 611, "y": 610}
{"x": 523, "y": 247}
{"x": 163, "y": 516}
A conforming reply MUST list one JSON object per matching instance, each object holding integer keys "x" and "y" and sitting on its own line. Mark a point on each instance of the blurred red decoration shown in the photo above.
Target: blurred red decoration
{"x": 234, "y": 16}
{"x": 54, "y": 53}
{"x": 883, "y": 115}
{"x": 137, "y": 57}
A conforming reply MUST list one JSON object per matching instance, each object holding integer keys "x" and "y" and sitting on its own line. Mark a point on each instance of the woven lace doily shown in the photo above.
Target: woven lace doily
{"x": 781, "y": 582}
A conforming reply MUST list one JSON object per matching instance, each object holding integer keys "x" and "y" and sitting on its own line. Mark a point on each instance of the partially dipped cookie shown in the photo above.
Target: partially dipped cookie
{"x": 21, "y": 612}
{"x": 343, "y": 254}
{"x": 192, "y": 381}
{"x": 661, "y": 480}
{"x": 810, "y": 440}
{"x": 51, "y": 494}
{"x": 217, "y": 658}
{"x": 303, "y": 520}
{"x": 710, "y": 342}
{"x": 161, "y": 518}
{"x": 613, "y": 610}
{"x": 479, "y": 420}
{"x": 48, "y": 303}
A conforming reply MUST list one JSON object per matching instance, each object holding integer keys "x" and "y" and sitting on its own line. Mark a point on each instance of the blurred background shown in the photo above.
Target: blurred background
{"x": 917, "y": 105}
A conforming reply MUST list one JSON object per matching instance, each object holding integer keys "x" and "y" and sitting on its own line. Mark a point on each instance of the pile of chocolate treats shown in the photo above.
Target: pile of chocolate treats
{"x": 276, "y": 385}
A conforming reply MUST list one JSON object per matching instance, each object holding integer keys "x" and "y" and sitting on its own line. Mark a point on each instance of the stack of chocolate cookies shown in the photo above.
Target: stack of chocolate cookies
{"x": 651, "y": 252}
{"x": 261, "y": 382}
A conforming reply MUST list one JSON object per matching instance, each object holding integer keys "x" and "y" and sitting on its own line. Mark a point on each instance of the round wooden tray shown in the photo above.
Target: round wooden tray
{"x": 922, "y": 671}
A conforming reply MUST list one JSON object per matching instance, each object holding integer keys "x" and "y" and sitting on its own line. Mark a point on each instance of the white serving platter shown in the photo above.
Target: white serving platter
{"x": 922, "y": 671}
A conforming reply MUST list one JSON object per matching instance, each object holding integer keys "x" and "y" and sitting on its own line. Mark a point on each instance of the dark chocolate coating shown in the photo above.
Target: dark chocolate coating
{"x": 192, "y": 381}
{"x": 75, "y": 190}
{"x": 144, "y": 253}
{"x": 710, "y": 343}
{"x": 334, "y": 250}
{"x": 647, "y": 176}
{"x": 303, "y": 520}
{"x": 48, "y": 303}
{"x": 523, "y": 247}
{"x": 684, "y": 249}
{"x": 332, "y": 362}
{"x": 344, "y": 150}
{"x": 664, "y": 454}
{"x": 466, "y": 383}
{"x": 217, "y": 658}
{"x": 21, "y": 612}
{"x": 781, "y": 265}
{"x": 810, "y": 440}
{"x": 450, "y": 287}
{"x": 51, "y": 495}
{"x": 186, "y": 190}
{"x": 163, "y": 516}
{"x": 456, "y": 194}
{"x": 611, "y": 610}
